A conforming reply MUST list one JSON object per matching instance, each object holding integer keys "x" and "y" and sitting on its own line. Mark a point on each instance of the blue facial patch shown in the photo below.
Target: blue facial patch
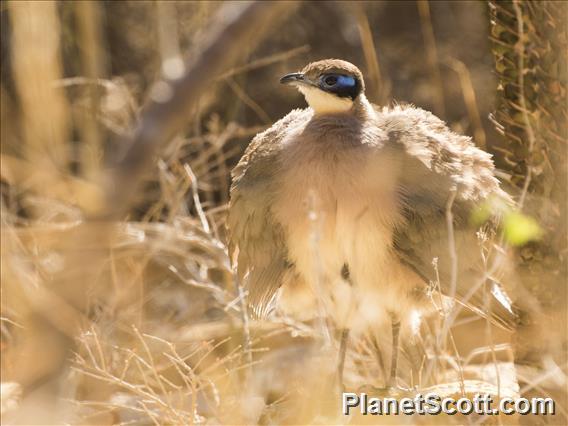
{"x": 345, "y": 81}
{"x": 344, "y": 86}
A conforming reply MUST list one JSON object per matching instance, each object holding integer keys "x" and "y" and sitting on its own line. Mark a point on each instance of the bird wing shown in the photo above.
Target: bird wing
{"x": 444, "y": 173}
{"x": 256, "y": 240}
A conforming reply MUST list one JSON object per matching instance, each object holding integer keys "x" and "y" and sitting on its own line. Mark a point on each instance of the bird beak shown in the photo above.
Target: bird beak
{"x": 294, "y": 78}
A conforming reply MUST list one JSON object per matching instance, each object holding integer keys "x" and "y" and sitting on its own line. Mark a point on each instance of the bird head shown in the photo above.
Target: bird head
{"x": 329, "y": 86}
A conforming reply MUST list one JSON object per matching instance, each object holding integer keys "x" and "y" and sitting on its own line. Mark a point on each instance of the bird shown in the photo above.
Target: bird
{"x": 347, "y": 194}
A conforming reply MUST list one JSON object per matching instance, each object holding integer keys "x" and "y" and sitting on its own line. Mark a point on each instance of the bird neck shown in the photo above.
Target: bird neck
{"x": 323, "y": 103}
{"x": 362, "y": 107}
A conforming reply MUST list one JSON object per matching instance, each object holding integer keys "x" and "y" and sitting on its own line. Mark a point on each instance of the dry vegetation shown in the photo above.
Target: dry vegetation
{"x": 119, "y": 303}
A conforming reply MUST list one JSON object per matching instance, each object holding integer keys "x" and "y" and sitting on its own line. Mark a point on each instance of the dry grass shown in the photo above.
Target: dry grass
{"x": 141, "y": 320}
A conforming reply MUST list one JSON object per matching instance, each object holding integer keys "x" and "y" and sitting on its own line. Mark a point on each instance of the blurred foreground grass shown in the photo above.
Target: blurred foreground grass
{"x": 140, "y": 320}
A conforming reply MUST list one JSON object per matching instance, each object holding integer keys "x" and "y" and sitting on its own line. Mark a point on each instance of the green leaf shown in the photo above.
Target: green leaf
{"x": 519, "y": 229}
{"x": 480, "y": 215}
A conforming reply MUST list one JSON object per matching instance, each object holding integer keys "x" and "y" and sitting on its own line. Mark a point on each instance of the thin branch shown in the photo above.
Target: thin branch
{"x": 248, "y": 101}
{"x": 380, "y": 86}
{"x": 263, "y": 62}
{"x": 469, "y": 99}
{"x": 520, "y": 71}
{"x": 452, "y": 243}
{"x": 431, "y": 55}
{"x": 172, "y": 100}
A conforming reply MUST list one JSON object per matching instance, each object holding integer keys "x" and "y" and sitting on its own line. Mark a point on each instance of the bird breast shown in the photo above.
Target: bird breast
{"x": 338, "y": 203}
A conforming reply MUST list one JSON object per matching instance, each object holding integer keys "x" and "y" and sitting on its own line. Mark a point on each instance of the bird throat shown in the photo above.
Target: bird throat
{"x": 325, "y": 103}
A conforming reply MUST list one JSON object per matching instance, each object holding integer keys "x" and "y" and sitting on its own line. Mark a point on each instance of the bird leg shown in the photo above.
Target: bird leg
{"x": 344, "y": 339}
{"x": 342, "y": 350}
{"x": 395, "y": 324}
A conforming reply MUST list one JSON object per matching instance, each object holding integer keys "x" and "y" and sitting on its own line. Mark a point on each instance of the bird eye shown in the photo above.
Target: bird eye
{"x": 330, "y": 80}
